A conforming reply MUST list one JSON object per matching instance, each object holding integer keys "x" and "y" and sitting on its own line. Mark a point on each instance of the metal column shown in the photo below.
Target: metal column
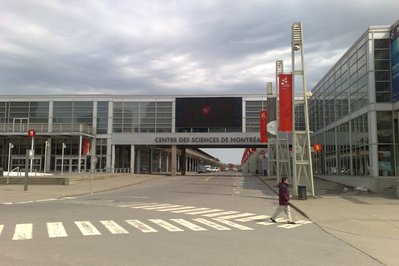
{"x": 302, "y": 172}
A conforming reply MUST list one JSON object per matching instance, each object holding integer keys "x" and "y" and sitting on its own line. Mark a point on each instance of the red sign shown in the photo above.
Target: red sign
{"x": 86, "y": 146}
{"x": 317, "y": 147}
{"x": 31, "y": 133}
{"x": 285, "y": 103}
{"x": 263, "y": 126}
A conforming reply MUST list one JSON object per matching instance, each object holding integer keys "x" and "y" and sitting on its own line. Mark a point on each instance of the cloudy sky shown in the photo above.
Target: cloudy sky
{"x": 171, "y": 47}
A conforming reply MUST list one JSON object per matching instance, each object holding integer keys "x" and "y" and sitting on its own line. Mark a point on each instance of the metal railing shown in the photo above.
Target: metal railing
{"x": 44, "y": 128}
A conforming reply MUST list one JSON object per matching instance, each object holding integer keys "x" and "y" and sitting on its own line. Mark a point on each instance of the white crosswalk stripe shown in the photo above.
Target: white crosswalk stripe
{"x": 204, "y": 212}
{"x": 162, "y": 207}
{"x": 23, "y": 231}
{"x": 1, "y": 228}
{"x": 220, "y": 214}
{"x": 149, "y": 206}
{"x": 141, "y": 226}
{"x": 166, "y": 225}
{"x": 229, "y": 223}
{"x": 212, "y": 224}
{"x": 87, "y": 228}
{"x": 236, "y": 216}
{"x": 114, "y": 228}
{"x": 186, "y": 210}
{"x": 56, "y": 229}
{"x": 189, "y": 225}
{"x": 253, "y": 218}
{"x": 176, "y": 209}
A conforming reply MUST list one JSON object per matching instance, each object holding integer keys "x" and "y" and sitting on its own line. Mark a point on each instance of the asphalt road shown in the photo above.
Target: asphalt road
{"x": 208, "y": 219}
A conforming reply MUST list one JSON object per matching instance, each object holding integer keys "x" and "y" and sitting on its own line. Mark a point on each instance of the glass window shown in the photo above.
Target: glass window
{"x": 384, "y": 127}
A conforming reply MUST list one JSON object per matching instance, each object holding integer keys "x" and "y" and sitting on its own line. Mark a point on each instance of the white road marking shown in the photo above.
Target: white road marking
{"x": 45, "y": 200}
{"x": 303, "y": 222}
{"x": 189, "y": 211}
{"x": 265, "y": 223}
{"x": 126, "y": 205}
{"x": 229, "y": 223}
{"x": 236, "y": 216}
{"x": 1, "y": 228}
{"x": 148, "y": 205}
{"x": 166, "y": 225}
{"x": 23, "y": 231}
{"x": 253, "y": 218}
{"x": 87, "y": 228}
{"x": 163, "y": 207}
{"x": 186, "y": 210}
{"x": 176, "y": 209}
{"x": 141, "y": 226}
{"x": 289, "y": 226}
{"x": 113, "y": 227}
{"x": 211, "y": 224}
{"x": 219, "y": 214}
{"x": 56, "y": 229}
{"x": 189, "y": 225}
{"x": 204, "y": 212}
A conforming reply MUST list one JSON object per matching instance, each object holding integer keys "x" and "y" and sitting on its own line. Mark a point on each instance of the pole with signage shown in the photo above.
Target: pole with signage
{"x": 10, "y": 147}
{"x": 62, "y": 158}
{"x": 26, "y": 170}
{"x": 46, "y": 144}
{"x": 32, "y": 134}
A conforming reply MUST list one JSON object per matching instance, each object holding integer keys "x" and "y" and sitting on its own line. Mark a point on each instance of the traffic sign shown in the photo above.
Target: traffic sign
{"x": 31, "y": 133}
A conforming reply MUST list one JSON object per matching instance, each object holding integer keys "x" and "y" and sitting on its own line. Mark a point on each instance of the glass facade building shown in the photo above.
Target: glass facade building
{"x": 118, "y": 133}
{"x": 353, "y": 115}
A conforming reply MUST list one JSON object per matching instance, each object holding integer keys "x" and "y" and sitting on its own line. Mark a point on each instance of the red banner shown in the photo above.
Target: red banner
{"x": 285, "y": 102}
{"x": 86, "y": 146}
{"x": 263, "y": 126}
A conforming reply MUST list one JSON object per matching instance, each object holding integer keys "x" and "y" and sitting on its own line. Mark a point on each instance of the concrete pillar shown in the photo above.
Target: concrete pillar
{"x": 132, "y": 159}
{"x": 160, "y": 161}
{"x": 183, "y": 161}
{"x": 167, "y": 162}
{"x": 138, "y": 168}
{"x": 173, "y": 161}
{"x": 94, "y": 159}
{"x": 113, "y": 158}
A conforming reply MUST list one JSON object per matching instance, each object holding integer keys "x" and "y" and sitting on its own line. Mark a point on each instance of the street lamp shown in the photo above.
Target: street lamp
{"x": 10, "y": 147}
{"x": 62, "y": 158}
{"x": 301, "y": 154}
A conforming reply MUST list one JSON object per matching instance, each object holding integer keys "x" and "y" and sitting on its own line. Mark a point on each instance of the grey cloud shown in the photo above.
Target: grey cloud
{"x": 174, "y": 47}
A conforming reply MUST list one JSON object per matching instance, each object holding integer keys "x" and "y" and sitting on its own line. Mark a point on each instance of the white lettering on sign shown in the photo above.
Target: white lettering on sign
{"x": 205, "y": 140}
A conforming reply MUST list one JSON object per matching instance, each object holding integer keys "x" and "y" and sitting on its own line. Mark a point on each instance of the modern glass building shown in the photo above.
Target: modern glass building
{"x": 124, "y": 133}
{"x": 354, "y": 113}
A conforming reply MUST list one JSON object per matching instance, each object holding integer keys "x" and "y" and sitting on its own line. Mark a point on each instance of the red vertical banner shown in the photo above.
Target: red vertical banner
{"x": 86, "y": 146}
{"x": 285, "y": 102}
{"x": 263, "y": 126}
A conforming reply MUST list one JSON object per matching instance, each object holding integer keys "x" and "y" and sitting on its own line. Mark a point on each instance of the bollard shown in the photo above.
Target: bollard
{"x": 302, "y": 193}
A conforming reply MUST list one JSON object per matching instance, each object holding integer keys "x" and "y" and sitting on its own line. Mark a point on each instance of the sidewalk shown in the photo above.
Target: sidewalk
{"x": 15, "y": 193}
{"x": 364, "y": 220}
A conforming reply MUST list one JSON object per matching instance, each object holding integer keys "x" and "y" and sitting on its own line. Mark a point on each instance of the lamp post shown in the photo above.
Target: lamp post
{"x": 10, "y": 147}
{"x": 62, "y": 158}
{"x": 302, "y": 172}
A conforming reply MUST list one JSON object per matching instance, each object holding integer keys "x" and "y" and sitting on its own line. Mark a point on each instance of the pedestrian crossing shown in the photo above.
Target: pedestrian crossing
{"x": 217, "y": 214}
{"x": 26, "y": 231}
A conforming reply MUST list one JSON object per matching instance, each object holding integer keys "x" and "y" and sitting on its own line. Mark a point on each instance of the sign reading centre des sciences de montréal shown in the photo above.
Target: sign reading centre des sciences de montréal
{"x": 188, "y": 139}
